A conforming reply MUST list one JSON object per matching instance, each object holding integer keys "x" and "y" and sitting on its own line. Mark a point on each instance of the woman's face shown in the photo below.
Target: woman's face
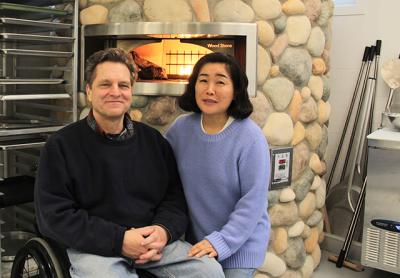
{"x": 214, "y": 89}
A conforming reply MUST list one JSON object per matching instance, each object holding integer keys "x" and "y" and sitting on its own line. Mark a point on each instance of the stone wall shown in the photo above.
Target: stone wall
{"x": 291, "y": 105}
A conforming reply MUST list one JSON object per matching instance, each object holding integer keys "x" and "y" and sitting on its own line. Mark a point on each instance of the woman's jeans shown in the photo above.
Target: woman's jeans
{"x": 239, "y": 272}
{"x": 174, "y": 263}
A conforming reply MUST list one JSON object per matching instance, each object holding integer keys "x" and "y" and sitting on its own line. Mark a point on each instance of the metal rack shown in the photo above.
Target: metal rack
{"x": 38, "y": 82}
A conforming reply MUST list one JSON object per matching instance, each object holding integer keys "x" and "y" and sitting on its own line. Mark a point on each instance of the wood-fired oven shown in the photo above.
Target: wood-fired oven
{"x": 165, "y": 52}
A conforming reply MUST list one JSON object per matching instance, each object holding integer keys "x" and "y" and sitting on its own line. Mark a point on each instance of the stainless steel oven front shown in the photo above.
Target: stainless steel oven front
{"x": 165, "y": 52}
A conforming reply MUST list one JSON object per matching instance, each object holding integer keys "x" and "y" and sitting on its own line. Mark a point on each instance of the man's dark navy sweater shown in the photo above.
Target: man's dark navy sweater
{"x": 90, "y": 189}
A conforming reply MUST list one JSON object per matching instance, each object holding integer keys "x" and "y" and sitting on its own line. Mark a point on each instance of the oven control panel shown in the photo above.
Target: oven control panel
{"x": 281, "y": 162}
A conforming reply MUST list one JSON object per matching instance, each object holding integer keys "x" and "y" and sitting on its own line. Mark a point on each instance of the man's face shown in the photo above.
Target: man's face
{"x": 111, "y": 91}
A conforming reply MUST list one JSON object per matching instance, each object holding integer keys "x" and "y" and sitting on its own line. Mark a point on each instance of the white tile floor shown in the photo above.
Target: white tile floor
{"x": 328, "y": 269}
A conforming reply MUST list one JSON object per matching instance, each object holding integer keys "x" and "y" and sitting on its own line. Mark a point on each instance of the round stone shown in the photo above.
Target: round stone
{"x": 312, "y": 241}
{"x": 313, "y": 9}
{"x": 308, "y": 111}
{"x": 278, "y": 129}
{"x": 314, "y": 219}
{"x": 316, "y": 255}
{"x": 261, "y": 109}
{"x": 320, "y": 194}
{"x": 308, "y": 267}
{"x": 126, "y": 11}
{"x": 295, "y": 254}
{"x": 263, "y": 64}
{"x": 314, "y": 135}
{"x": 299, "y": 133}
{"x": 296, "y": 230}
{"x": 301, "y": 158}
{"x": 316, "y": 182}
{"x": 280, "y": 24}
{"x": 136, "y": 115}
{"x": 298, "y": 29}
{"x": 316, "y": 42}
{"x": 302, "y": 185}
{"x": 283, "y": 214}
{"x": 324, "y": 142}
{"x": 280, "y": 91}
{"x": 232, "y": 11}
{"x": 295, "y": 106}
{"x": 292, "y": 7}
{"x": 296, "y": 64}
{"x": 167, "y": 10}
{"x": 274, "y": 71}
{"x": 266, "y": 34}
{"x": 305, "y": 93}
{"x": 267, "y": 9}
{"x": 95, "y": 14}
{"x": 279, "y": 45}
{"x": 280, "y": 243}
{"x": 160, "y": 111}
{"x": 316, "y": 86}
{"x": 287, "y": 195}
{"x": 139, "y": 101}
{"x": 326, "y": 13}
{"x": 324, "y": 111}
{"x": 200, "y": 8}
{"x": 307, "y": 206}
{"x": 291, "y": 274}
{"x": 317, "y": 165}
{"x": 273, "y": 265}
{"x": 318, "y": 66}
{"x": 327, "y": 90}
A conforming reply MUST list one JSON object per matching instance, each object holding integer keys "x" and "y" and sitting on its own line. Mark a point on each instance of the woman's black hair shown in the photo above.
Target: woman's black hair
{"x": 240, "y": 106}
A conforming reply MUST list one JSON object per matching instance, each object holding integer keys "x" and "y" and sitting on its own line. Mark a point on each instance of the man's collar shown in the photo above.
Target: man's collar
{"x": 125, "y": 134}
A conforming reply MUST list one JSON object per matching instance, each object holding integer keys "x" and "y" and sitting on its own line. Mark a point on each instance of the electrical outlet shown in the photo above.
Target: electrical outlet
{"x": 281, "y": 167}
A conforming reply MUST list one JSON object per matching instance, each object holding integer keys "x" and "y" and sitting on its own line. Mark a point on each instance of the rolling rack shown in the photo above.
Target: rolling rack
{"x": 38, "y": 95}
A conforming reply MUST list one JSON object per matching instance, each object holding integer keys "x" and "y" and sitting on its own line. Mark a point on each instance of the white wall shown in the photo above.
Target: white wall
{"x": 350, "y": 34}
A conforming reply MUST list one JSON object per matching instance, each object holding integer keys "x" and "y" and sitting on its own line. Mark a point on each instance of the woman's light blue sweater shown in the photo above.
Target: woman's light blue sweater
{"x": 225, "y": 178}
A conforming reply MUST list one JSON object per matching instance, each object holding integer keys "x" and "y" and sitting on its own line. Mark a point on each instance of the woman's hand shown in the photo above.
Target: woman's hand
{"x": 202, "y": 248}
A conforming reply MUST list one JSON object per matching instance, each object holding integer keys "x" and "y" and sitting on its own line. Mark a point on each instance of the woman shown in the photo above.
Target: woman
{"x": 223, "y": 160}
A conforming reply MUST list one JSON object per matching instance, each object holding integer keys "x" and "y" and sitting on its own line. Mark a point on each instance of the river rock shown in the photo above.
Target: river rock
{"x": 261, "y": 109}
{"x": 233, "y": 11}
{"x": 126, "y": 11}
{"x": 296, "y": 64}
{"x": 280, "y": 91}
{"x": 167, "y": 10}
{"x": 278, "y": 129}
{"x": 298, "y": 29}
{"x": 267, "y": 9}
{"x": 266, "y": 34}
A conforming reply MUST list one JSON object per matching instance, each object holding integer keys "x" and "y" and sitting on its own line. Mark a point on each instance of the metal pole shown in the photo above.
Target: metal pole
{"x": 349, "y": 113}
{"x": 371, "y": 56}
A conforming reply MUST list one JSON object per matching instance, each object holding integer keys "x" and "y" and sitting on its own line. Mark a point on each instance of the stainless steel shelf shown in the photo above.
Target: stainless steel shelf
{"x": 35, "y": 23}
{"x": 20, "y": 81}
{"x": 12, "y": 8}
{"x": 25, "y": 131}
{"x": 30, "y": 52}
{"x": 16, "y": 146}
{"x": 34, "y": 97}
{"x": 34, "y": 38}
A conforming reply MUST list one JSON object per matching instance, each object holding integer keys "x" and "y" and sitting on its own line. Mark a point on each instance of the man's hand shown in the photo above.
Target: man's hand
{"x": 202, "y": 248}
{"x": 131, "y": 245}
{"x": 155, "y": 241}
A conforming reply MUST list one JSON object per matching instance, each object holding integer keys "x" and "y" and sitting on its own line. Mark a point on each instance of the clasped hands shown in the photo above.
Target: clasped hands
{"x": 144, "y": 244}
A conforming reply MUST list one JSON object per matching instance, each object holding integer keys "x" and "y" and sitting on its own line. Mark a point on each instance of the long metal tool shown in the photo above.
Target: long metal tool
{"x": 356, "y": 164}
{"x": 357, "y": 116}
{"x": 349, "y": 113}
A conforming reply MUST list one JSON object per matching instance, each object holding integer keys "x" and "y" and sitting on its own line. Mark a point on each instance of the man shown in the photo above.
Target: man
{"x": 108, "y": 188}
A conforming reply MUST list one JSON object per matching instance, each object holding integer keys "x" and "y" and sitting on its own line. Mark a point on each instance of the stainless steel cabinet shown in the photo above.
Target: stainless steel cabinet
{"x": 38, "y": 79}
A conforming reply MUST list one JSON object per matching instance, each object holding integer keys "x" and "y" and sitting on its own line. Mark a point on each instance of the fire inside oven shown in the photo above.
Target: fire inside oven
{"x": 172, "y": 59}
